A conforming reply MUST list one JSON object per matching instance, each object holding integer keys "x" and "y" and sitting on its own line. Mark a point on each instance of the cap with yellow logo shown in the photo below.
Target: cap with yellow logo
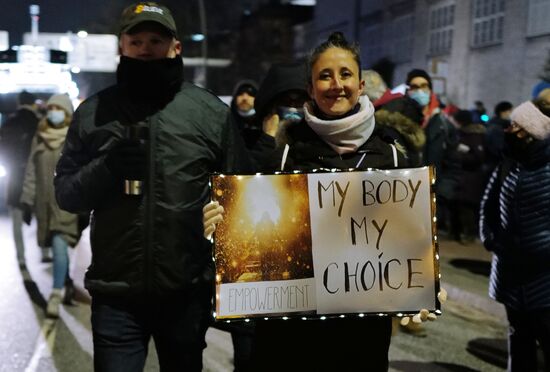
{"x": 146, "y": 12}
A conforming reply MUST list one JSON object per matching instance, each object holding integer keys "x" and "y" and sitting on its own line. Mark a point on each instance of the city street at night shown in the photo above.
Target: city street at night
{"x": 464, "y": 338}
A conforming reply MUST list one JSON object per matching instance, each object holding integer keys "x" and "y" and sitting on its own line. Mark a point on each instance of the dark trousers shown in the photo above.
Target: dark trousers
{"x": 351, "y": 344}
{"x": 122, "y": 330}
{"x": 525, "y": 329}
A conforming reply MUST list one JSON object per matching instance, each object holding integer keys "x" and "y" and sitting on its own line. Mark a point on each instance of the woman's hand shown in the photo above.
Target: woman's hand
{"x": 212, "y": 214}
{"x": 424, "y": 314}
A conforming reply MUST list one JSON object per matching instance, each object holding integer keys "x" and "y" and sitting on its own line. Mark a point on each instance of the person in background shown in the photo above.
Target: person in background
{"x": 152, "y": 273}
{"x": 16, "y": 136}
{"x": 278, "y": 103}
{"x": 242, "y": 108}
{"x": 479, "y": 113}
{"x": 337, "y": 131}
{"x": 469, "y": 179}
{"x": 402, "y": 117}
{"x": 515, "y": 227}
{"x": 441, "y": 136}
{"x": 55, "y": 228}
{"x": 494, "y": 136}
{"x": 538, "y": 88}
{"x": 376, "y": 89}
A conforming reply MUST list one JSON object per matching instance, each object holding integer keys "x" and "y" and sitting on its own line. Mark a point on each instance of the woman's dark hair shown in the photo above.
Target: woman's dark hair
{"x": 335, "y": 40}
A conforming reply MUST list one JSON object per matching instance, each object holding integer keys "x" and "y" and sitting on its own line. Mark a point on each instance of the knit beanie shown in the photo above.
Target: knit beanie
{"x": 419, "y": 73}
{"x": 532, "y": 120}
{"x": 248, "y": 86}
{"x": 63, "y": 101}
{"x": 542, "y": 85}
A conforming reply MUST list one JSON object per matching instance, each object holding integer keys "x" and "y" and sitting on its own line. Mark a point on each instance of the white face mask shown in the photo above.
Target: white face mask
{"x": 56, "y": 117}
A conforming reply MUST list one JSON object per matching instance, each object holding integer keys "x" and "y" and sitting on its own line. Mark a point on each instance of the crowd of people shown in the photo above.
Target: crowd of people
{"x": 152, "y": 273}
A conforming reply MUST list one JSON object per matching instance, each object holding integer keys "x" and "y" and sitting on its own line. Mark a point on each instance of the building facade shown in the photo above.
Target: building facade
{"x": 488, "y": 50}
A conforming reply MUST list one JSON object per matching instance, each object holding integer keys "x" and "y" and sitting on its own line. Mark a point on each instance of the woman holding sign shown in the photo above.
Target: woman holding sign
{"x": 338, "y": 131}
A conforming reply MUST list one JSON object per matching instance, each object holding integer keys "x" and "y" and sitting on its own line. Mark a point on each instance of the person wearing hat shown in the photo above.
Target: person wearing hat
{"x": 56, "y": 228}
{"x": 139, "y": 155}
{"x": 280, "y": 100}
{"x": 441, "y": 135}
{"x": 16, "y": 136}
{"x": 242, "y": 108}
{"x": 515, "y": 227}
{"x": 494, "y": 136}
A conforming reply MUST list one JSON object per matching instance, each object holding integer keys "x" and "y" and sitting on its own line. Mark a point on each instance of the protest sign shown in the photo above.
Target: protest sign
{"x": 325, "y": 243}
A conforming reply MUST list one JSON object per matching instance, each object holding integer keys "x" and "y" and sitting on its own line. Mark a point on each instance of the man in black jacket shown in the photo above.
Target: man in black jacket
{"x": 152, "y": 271}
{"x": 15, "y": 145}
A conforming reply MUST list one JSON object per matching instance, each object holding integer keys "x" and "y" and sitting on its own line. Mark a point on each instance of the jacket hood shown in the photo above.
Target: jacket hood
{"x": 411, "y": 131}
{"x": 280, "y": 78}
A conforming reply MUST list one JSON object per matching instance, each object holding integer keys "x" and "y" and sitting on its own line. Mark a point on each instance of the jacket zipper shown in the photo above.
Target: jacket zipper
{"x": 149, "y": 210}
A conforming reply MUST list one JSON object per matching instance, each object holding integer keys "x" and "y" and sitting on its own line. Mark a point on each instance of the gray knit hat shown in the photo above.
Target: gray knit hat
{"x": 63, "y": 101}
{"x": 532, "y": 120}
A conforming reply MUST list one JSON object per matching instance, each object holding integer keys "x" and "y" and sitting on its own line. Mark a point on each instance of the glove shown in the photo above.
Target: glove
{"x": 27, "y": 213}
{"x": 212, "y": 214}
{"x": 127, "y": 159}
{"x": 424, "y": 314}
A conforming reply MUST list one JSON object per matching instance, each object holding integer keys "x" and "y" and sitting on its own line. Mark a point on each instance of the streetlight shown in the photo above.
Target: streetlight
{"x": 34, "y": 11}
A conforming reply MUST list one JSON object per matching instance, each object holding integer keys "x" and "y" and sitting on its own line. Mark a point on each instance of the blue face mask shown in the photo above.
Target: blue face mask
{"x": 421, "y": 96}
{"x": 290, "y": 114}
{"x": 56, "y": 117}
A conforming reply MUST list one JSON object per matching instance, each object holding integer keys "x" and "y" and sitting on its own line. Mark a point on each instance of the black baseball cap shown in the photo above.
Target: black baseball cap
{"x": 146, "y": 11}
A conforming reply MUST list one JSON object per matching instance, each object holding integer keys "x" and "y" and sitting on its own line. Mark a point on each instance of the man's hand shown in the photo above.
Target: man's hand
{"x": 212, "y": 214}
{"x": 127, "y": 159}
{"x": 424, "y": 314}
{"x": 26, "y": 213}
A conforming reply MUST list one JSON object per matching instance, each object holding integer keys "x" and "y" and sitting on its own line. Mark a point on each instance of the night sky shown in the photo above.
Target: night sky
{"x": 101, "y": 16}
{"x": 55, "y": 16}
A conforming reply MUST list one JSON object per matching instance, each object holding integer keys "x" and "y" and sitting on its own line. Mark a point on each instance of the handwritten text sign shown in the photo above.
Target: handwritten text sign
{"x": 325, "y": 243}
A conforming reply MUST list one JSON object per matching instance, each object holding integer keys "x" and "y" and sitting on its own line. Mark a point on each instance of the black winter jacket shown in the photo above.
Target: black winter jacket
{"x": 151, "y": 244}
{"x": 308, "y": 151}
{"x": 515, "y": 226}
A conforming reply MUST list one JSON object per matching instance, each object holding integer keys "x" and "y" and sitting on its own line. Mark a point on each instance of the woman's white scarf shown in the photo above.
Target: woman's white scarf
{"x": 53, "y": 137}
{"x": 344, "y": 135}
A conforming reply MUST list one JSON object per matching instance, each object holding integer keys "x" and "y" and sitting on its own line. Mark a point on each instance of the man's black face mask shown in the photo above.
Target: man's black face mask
{"x": 156, "y": 79}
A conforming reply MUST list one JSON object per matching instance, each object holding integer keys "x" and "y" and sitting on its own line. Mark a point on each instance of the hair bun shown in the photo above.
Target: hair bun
{"x": 337, "y": 37}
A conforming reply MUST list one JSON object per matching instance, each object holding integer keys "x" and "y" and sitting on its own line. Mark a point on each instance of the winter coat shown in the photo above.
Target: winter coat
{"x": 38, "y": 189}
{"x": 440, "y": 151}
{"x": 406, "y": 132}
{"x": 472, "y": 175}
{"x": 151, "y": 244}
{"x": 307, "y": 151}
{"x": 515, "y": 226}
{"x": 16, "y": 136}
